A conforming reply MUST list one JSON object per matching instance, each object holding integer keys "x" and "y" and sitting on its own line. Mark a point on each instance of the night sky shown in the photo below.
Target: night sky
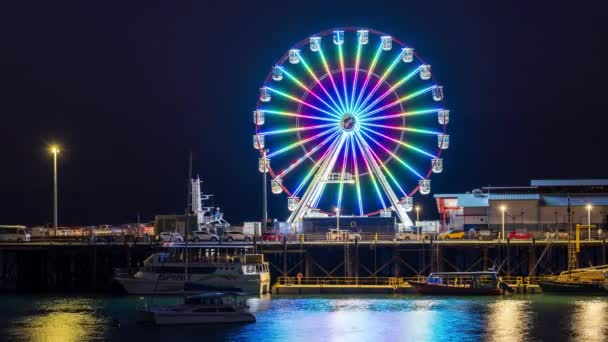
{"x": 129, "y": 88}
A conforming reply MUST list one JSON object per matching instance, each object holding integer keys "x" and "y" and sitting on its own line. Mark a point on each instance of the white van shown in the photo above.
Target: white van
{"x": 14, "y": 233}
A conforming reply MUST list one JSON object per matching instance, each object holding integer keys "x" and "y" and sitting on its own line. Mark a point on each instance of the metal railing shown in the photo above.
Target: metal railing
{"x": 347, "y": 281}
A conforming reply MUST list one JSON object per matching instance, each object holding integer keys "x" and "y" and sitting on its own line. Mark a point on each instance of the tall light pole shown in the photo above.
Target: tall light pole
{"x": 589, "y": 206}
{"x": 417, "y": 220}
{"x": 55, "y": 152}
{"x": 502, "y": 210}
{"x": 265, "y": 192}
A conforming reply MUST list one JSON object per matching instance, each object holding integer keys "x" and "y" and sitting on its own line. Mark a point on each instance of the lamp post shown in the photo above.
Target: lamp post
{"x": 417, "y": 220}
{"x": 265, "y": 192}
{"x": 55, "y": 152}
{"x": 503, "y": 209}
{"x": 589, "y": 206}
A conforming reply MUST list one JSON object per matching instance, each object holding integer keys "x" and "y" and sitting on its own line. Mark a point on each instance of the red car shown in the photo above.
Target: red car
{"x": 271, "y": 236}
{"x": 520, "y": 236}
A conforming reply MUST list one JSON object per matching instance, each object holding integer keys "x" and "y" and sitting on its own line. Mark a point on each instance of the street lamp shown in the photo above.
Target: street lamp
{"x": 503, "y": 209}
{"x": 589, "y": 206}
{"x": 338, "y": 220}
{"x": 55, "y": 151}
{"x": 417, "y": 220}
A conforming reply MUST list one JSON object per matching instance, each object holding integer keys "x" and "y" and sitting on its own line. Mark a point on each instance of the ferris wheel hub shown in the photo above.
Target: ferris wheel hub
{"x": 348, "y": 122}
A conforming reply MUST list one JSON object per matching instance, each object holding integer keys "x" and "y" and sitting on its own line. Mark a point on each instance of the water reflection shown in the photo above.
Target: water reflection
{"x": 67, "y": 319}
{"x": 508, "y": 320}
{"x": 589, "y": 320}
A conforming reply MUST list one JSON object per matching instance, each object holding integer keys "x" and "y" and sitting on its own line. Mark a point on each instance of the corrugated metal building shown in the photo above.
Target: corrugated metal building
{"x": 541, "y": 206}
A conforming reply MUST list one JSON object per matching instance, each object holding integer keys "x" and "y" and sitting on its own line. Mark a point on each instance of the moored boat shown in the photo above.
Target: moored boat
{"x": 589, "y": 280}
{"x": 461, "y": 283}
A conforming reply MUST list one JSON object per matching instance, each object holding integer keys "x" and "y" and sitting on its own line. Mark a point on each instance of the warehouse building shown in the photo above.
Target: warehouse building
{"x": 541, "y": 206}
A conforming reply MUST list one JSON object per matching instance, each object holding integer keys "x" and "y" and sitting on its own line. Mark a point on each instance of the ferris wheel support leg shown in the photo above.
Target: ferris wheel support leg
{"x": 401, "y": 214}
{"x": 312, "y": 195}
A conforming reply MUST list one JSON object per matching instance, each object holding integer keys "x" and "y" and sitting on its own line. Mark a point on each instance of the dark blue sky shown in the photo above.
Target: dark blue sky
{"x": 129, "y": 87}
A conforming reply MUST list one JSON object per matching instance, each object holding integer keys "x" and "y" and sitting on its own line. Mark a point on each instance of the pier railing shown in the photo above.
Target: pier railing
{"x": 347, "y": 281}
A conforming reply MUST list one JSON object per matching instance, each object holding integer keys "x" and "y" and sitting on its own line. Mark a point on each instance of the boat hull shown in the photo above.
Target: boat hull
{"x": 169, "y": 317}
{"x": 440, "y": 289}
{"x": 146, "y": 286}
{"x": 565, "y": 287}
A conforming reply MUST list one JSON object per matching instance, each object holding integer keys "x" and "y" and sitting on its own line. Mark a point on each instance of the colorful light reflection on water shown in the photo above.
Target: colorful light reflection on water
{"x": 323, "y": 318}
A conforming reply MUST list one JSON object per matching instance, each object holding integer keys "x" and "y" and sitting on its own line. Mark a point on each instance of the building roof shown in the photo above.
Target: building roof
{"x": 513, "y": 197}
{"x": 562, "y": 201}
{"x": 569, "y": 182}
{"x": 472, "y": 200}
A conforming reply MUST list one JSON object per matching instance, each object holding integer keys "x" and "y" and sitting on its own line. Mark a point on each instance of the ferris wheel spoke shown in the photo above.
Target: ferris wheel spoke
{"x": 317, "y": 164}
{"x": 369, "y": 73}
{"x": 343, "y": 172}
{"x": 336, "y": 111}
{"x": 402, "y": 128}
{"x": 386, "y": 170}
{"x": 326, "y": 171}
{"x": 386, "y": 73}
{"x": 403, "y": 114}
{"x": 343, "y": 71}
{"x": 331, "y": 78}
{"x": 357, "y": 181}
{"x": 411, "y": 147}
{"x": 301, "y": 142}
{"x": 391, "y": 89}
{"x": 314, "y": 76}
{"x": 298, "y": 115}
{"x": 296, "y": 129}
{"x": 370, "y": 173}
{"x": 398, "y": 101}
{"x": 295, "y": 99}
{"x": 407, "y": 166}
{"x": 355, "y": 77}
{"x": 307, "y": 154}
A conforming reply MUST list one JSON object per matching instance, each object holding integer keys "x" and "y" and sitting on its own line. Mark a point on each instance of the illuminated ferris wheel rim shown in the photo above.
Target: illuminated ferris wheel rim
{"x": 357, "y": 70}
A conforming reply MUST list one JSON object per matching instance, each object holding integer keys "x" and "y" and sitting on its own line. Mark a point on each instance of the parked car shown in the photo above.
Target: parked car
{"x": 556, "y": 235}
{"x": 411, "y": 235}
{"x": 452, "y": 234}
{"x": 342, "y": 234}
{"x": 271, "y": 236}
{"x": 235, "y": 236}
{"x": 204, "y": 235}
{"x": 519, "y": 235}
{"x": 481, "y": 234}
{"x": 171, "y": 237}
{"x": 14, "y": 233}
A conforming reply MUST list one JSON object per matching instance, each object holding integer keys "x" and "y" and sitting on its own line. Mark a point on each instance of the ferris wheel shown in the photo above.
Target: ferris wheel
{"x": 350, "y": 122}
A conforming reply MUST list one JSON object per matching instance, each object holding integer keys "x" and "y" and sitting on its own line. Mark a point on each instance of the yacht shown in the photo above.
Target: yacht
{"x": 207, "y": 308}
{"x": 196, "y": 269}
{"x": 461, "y": 283}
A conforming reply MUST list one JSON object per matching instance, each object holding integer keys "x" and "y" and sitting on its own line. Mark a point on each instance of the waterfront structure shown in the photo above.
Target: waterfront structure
{"x": 541, "y": 206}
{"x": 350, "y": 122}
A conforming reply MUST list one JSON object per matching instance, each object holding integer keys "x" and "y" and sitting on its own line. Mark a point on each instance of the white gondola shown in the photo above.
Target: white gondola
{"x": 258, "y": 117}
{"x": 443, "y": 141}
{"x": 387, "y": 43}
{"x": 277, "y": 73}
{"x": 443, "y": 116}
{"x": 425, "y": 186}
{"x": 315, "y": 44}
{"x": 407, "y": 203}
{"x": 407, "y": 55}
{"x": 425, "y": 72}
{"x": 292, "y": 203}
{"x": 294, "y": 56}
{"x": 363, "y": 36}
{"x": 275, "y": 185}
{"x": 437, "y": 93}
{"x": 264, "y": 94}
{"x": 437, "y": 165}
{"x": 258, "y": 141}
{"x": 263, "y": 164}
{"x": 339, "y": 37}
{"x": 386, "y": 213}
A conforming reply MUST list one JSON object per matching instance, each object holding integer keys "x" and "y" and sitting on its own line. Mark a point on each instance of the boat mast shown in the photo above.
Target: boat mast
{"x": 188, "y": 209}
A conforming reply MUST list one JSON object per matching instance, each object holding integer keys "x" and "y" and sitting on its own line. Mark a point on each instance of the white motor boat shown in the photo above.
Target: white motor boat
{"x": 207, "y": 308}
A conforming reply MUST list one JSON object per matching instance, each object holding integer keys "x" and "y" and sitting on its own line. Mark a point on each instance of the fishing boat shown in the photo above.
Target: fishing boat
{"x": 588, "y": 280}
{"x": 206, "y": 308}
{"x": 198, "y": 268}
{"x": 461, "y": 283}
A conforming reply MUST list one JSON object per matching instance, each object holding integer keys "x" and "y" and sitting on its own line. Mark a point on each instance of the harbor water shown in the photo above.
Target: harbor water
{"x": 319, "y": 318}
